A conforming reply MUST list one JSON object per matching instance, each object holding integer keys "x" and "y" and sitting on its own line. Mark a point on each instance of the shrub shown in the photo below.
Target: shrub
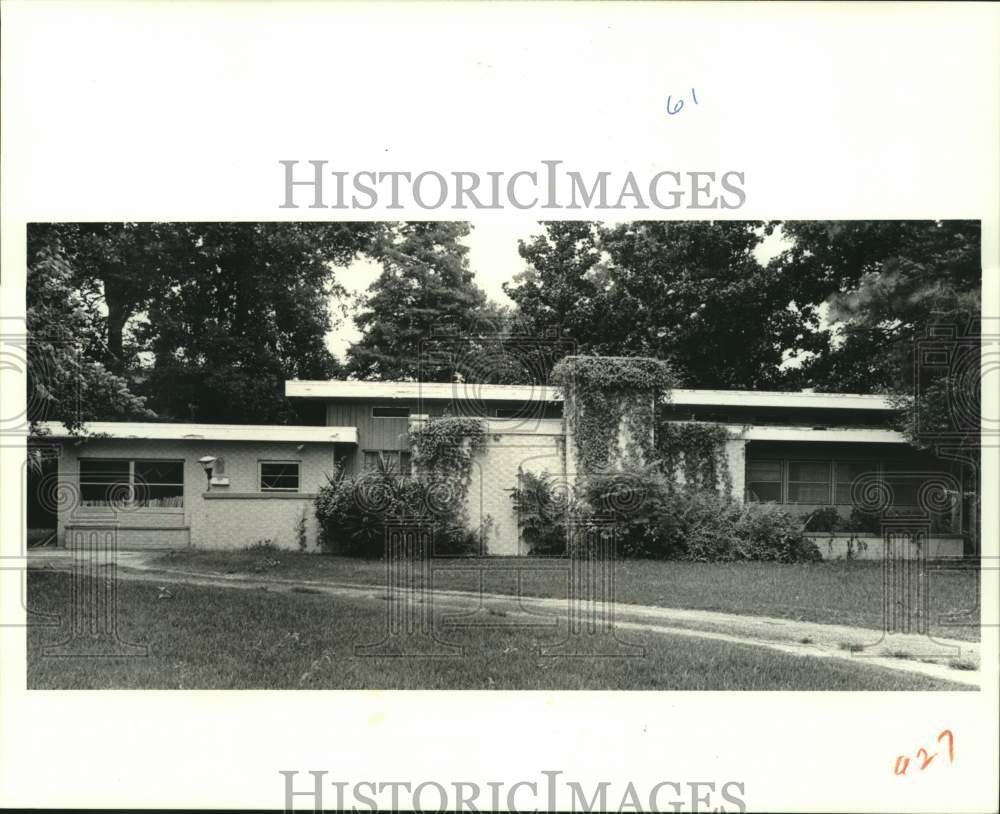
{"x": 638, "y": 503}
{"x": 827, "y": 519}
{"x": 542, "y": 506}
{"x": 354, "y": 512}
{"x": 267, "y": 546}
{"x": 300, "y": 531}
{"x": 764, "y": 531}
{"x": 657, "y": 519}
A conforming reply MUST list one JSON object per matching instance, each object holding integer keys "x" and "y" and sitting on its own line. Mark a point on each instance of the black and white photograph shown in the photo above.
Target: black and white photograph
{"x": 498, "y": 406}
{"x": 687, "y": 455}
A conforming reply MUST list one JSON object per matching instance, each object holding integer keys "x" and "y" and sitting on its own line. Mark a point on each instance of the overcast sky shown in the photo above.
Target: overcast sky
{"x": 492, "y": 256}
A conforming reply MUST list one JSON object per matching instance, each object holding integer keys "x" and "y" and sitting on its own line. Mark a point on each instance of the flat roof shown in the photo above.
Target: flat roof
{"x": 207, "y": 432}
{"x": 859, "y": 435}
{"x": 335, "y": 389}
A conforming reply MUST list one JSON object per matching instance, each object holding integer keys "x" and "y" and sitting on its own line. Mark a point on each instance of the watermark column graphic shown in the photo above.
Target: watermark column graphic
{"x": 954, "y": 365}
{"x": 92, "y": 540}
{"x": 93, "y": 613}
{"x": 945, "y": 416}
{"x": 496, "y": 355}
{"x": 409, "y": 592}
{"x": 51, "y": 495}
{"x": 27, "y": 374}
{"x": 960, "y": 365}
{"x": 905, "y": 600}
{"x": 957, "y": 362}
{"x": 463, "y": 363}
{"x": 48, "y": 366}
{"x": 592, "y": 544}
{"x": 908, "y": 534}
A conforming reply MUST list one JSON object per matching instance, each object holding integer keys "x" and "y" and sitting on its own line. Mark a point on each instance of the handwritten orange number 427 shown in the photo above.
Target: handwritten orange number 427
{"x": 925, "y": 758}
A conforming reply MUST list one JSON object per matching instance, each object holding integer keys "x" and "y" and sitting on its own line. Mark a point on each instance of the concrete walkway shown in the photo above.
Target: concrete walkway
{"x": 908, "y": 653}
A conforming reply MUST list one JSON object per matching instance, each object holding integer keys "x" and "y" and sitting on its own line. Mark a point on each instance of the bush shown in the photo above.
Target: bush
{"x": 827, "y": 519}
{"x": 354, "y": 511}
{"x": 301, "y": 532}
{"x": 267, "y": 546}
{"x": 764, "y": 531}
{"x": 657, "y": 519}
{"x": 542, "y": 508}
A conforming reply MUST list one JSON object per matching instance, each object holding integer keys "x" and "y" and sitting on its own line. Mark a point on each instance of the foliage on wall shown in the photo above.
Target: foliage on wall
{"x": 695, "y": 452}
{"x": 602, "y": 395}
{"x": 443, "y": 448}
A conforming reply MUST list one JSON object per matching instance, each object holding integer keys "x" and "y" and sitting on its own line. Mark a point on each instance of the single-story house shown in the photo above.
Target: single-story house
{"x": 173, "y": 485}
{"x": 231, "y": 486}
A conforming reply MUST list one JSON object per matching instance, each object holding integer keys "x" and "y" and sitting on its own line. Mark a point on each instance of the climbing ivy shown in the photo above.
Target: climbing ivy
{"x": 600, "y": 394}
{"x": 697, "y": 452}
{"x": 444, "y": 448}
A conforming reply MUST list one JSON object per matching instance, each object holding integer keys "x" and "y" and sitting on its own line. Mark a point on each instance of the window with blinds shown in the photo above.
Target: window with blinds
{"x": 136, "y": 483}
{"x": 764, "y": 481}
{"x": 809, "y": 482}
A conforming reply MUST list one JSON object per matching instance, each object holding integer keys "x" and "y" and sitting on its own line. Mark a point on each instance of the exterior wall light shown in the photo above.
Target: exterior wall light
{"x": 207, "y": 463}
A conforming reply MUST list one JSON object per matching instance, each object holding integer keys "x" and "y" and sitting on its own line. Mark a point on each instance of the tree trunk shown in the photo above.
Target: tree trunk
{"x": 118, "y": 315}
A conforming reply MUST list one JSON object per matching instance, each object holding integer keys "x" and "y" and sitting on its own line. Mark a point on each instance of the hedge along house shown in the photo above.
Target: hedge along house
{"x": 805, "y": 451}
{"x": 175, "y": 485}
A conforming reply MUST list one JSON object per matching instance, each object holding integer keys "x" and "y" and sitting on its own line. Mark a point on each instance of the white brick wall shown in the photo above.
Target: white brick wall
{"x": 494, "y": 476}
{"x": 239, "y": 522}
{"x": 246, "y": 517}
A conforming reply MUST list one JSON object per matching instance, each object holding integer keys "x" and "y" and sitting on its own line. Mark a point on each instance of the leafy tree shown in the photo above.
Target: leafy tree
{"x": 64, "y": 381}
{"x": 425, "y": 290}
{"x": 893, "y": 286}
{"x": 120, "y": 265}
{"x": 249, "y": 309}
{"x": 691, "y": 293}
{"x": 886, "y": 285}
{"x": 560, "y": 287}
{"x": 209, "y": 319}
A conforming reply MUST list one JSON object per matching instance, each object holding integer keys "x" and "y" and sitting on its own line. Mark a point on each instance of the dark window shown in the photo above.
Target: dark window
{"x": 764, "y": 481}
{"x": 809, "y": 482}
{"x": 105, "y": 483}
{"x": 846, "y": 473}
{"x": 158, "y": 483}
{"x": 390, "y": 412}
{"x": 905, "y": 482}
{"x": 124, "y": 482}
{"x": 279, "y": 476}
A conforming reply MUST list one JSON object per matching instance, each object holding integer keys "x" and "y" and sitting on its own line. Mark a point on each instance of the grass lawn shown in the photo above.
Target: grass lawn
{"x": 231, "y": 638}
{"x": 834, "y": 592}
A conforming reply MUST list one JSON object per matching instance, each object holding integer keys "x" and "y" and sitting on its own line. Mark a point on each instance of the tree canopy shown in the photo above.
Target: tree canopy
{"x": 425, "y": 292}
{"x": 205, "y": 320}
{"x": 891, "y": 288}
{"x": 691, "y": 293}
{"x": 66, "y": 379}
